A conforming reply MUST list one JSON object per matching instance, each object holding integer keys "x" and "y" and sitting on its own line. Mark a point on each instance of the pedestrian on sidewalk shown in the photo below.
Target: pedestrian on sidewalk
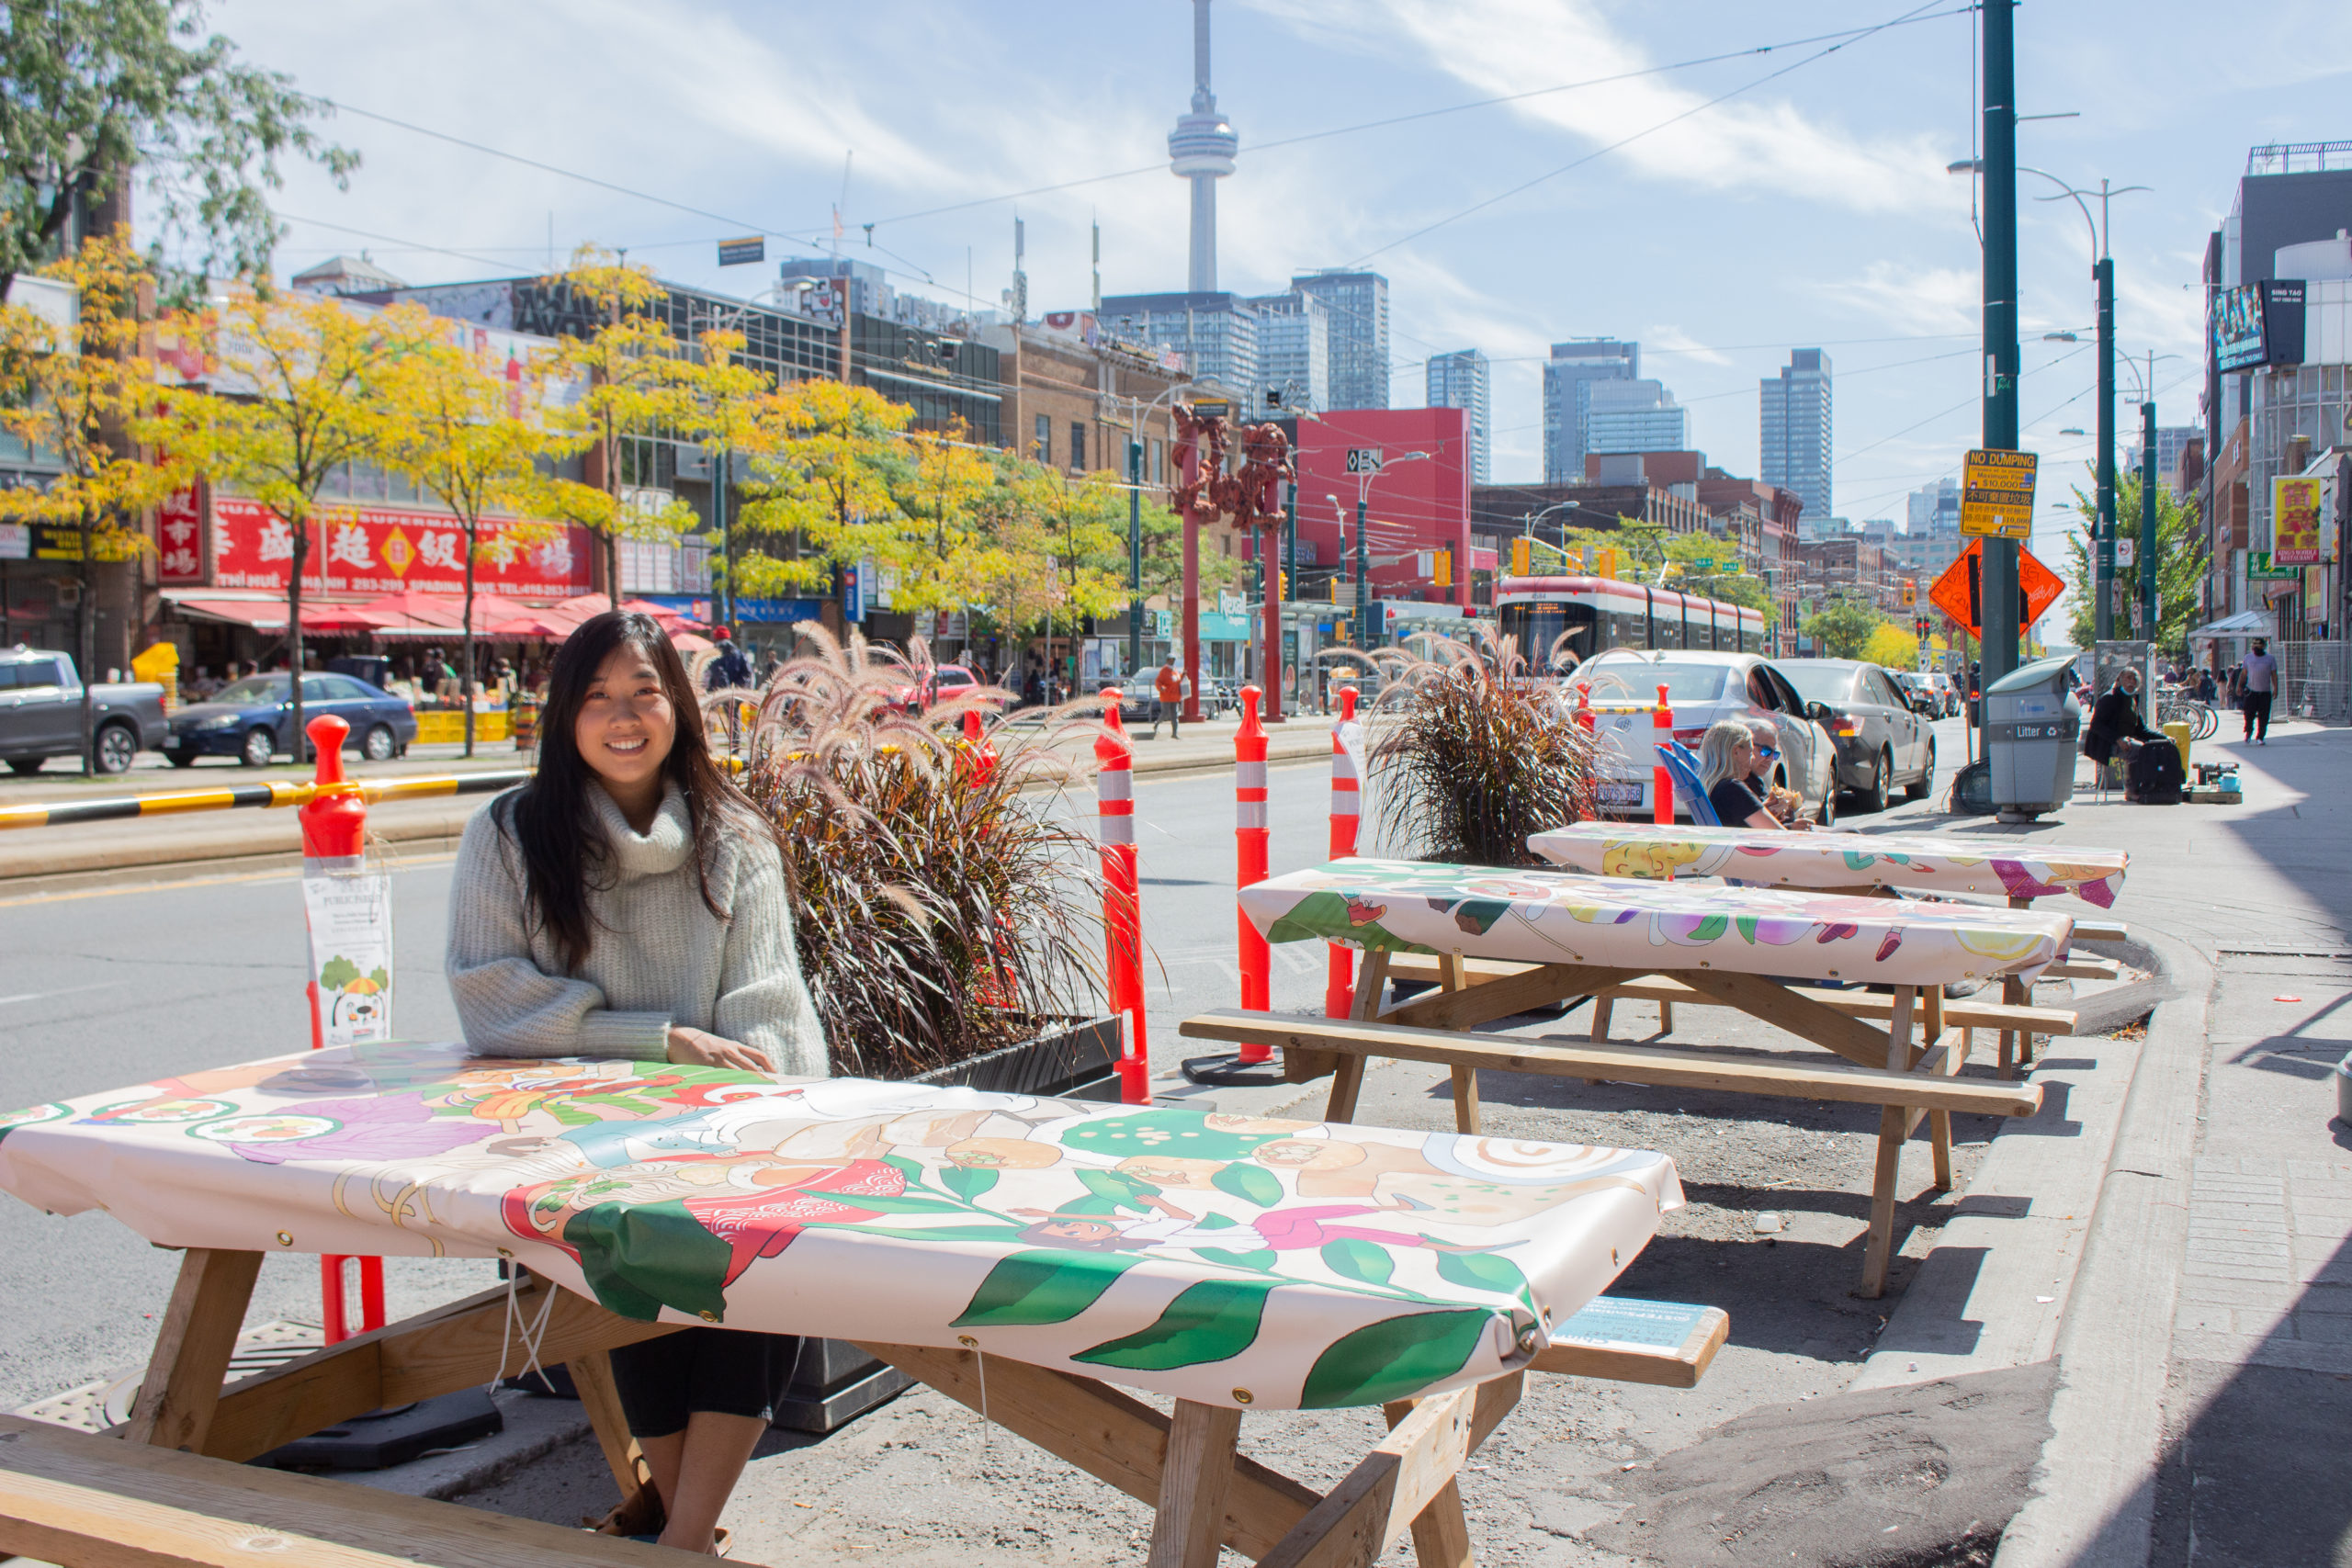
{"x": 2261, "y": 681}
{"x": 628, "y": 903}
{"x": 2116, "y": 724}
{"x": 1169, "y": 687}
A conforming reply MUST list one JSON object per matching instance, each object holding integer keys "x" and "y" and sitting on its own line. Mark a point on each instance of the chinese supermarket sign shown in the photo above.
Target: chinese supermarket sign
{"x": 379, "y": 550}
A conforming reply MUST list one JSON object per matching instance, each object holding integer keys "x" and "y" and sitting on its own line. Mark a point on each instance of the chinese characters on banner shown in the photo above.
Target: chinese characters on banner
{"x": 379, "y": 550}
{"x": 2294, "y": 512}
{"x": 179, "y": 526}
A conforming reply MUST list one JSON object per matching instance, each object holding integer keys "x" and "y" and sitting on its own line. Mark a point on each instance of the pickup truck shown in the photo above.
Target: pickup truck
{"x": 40, "y": 712}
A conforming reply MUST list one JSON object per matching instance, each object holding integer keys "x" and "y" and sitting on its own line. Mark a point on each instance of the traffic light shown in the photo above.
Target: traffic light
{"x": 1522, "y": 556}
{"x": 1910, "y": 592}
{"x": 1282, "y": 586}
{"x": 1444, "y": 575}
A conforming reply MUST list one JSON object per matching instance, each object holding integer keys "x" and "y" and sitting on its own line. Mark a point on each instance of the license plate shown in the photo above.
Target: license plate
{"x": 1621, "y": 795}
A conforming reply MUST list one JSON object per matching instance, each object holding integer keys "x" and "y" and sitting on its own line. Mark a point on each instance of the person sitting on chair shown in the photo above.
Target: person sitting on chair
{"x": 2116, "y": 724}
{"x": 1727, "y": 759}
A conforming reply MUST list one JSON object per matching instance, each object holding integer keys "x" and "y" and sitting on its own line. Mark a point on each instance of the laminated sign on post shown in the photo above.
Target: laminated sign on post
{"x": 1996, "y": 494}
{"x": 351, "y": 954}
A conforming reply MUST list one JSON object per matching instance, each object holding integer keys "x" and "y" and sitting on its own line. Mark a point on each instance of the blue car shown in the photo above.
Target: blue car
{"x": 253, "y": 719}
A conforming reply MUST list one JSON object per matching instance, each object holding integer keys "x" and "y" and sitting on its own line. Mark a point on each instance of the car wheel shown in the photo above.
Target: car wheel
{"x": 1874, "y": 793}
{"x": 1927, "y": 785}
{"x": 259, "y": 748}
{"x": 114, "y": 749}
{"x": 23, "y": 765}
{"x": 378, "y": 746}
{"x": 1828, "y": 817}
{"x": 180, "y": 759}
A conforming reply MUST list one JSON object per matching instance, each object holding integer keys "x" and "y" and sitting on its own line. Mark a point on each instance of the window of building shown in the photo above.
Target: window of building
{"x": 1044, "y": 444}
{"x": 1077, "y": 443}
{"x": 1157, "y": 451}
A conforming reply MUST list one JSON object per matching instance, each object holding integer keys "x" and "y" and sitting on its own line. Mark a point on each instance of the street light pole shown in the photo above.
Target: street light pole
{"x": 2103, "y": 616}
{"x": 2148, "y": 509}
{"x": 1998, "y": 598}
{"x": 1135, "y": 548}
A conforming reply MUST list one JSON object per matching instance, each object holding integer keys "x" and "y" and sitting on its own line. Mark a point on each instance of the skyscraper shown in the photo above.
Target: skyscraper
{"x": 1463, "y": 379}
{"x": 1631, "y": 416}
{"x": 1201, "y": 150}
{"x": 1216, "y": 333}
{"x": 1294, "y": 350}
{"x": 1568, "y": 378}
{"x": 1796, "y": 430}
{"x": 1358, "y": 303}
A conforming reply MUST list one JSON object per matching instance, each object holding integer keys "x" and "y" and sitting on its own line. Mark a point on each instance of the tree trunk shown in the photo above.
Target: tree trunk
{"x": 466, "y": 665}
{"x": 294, "y": 629}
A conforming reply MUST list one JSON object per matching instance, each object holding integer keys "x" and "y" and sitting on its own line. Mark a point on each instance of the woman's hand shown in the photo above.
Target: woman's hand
{"x": 700, "y": 1048}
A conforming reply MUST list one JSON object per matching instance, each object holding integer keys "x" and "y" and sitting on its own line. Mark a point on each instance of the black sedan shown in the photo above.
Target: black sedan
{"x": 253, "y": 719}
{"x": 1882, "y": 738}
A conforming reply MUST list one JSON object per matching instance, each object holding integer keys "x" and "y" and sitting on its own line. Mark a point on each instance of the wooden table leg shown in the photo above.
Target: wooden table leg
{"x": 1893, "y": 1127}
{"x": 2017, "y": 993}
{"x": 1601, "y": 1008}
{"x": 1666, "y": 1018}
{"x": 1931, "y": 1014}
{"x": 1440, "y": 1533}
{"x": 1190, "y": 1525}
{"x": 1347, "y": 1078}
{"x": 192, "y": 1348}
{"x": 1466, "y": 1099}
{"x": 592, "y": 1374}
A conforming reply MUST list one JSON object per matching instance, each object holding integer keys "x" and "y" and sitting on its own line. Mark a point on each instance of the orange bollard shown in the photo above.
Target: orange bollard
{"x": 1250, "y": 836}
{"x": 335, "y": 837}
{"x": 980, "y": 753}
{"x": 1339, "y": 989}
{"x": 1122, "y": 901}
{"x": 1662, "y": 782}
{"x": 1585, "y": 721}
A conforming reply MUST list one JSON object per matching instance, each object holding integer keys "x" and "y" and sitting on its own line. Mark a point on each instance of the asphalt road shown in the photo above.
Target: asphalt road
{"x": 119, "y": 985}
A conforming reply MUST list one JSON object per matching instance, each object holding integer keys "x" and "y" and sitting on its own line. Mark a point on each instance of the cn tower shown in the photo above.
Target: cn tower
{"x": 1201, "y": 150}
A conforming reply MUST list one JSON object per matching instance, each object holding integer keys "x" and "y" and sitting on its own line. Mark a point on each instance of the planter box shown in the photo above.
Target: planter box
{"x": 834, "y": 1382}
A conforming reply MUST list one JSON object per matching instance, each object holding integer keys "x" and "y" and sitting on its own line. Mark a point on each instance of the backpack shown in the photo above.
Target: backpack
{"x": 2155, "y": 775}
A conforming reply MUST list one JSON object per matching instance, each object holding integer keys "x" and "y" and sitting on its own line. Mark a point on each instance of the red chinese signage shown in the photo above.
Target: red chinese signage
{"x": 179, "y": 528}
{"x": 382, "y": 549}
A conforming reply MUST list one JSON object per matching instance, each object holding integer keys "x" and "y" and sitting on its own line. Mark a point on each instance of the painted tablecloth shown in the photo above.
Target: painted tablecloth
{"x": 1230, "y": 1259}
{"x": 1552, "y": 916}
{"x": 1836, "y": 860}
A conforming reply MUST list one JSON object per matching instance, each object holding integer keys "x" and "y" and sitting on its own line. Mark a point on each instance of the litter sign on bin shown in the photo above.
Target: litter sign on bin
{"x": 1996, "y": 494}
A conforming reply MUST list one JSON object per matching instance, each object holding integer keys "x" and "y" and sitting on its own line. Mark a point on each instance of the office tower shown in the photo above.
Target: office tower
{"x": 1217, "y": 333}
{"x": 1463, "y": 379}
{"x": 1201, "y": 150}
{"x": 1631, "y": 416}
{"x": 1568, "y": 378}
{"x": 1294, "y": 351}
{"x": 1358, "y": 304}
{"x": 1796, "y": 430}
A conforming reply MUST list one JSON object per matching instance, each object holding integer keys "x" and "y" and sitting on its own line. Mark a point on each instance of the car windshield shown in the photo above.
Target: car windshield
{"x": 253, "y": 688}
{"x": 1820, "y": 683}
{"x": 1619, "y": 680}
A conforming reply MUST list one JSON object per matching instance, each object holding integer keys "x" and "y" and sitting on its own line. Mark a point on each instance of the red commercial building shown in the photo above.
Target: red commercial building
{"x": 1415, "y": 506}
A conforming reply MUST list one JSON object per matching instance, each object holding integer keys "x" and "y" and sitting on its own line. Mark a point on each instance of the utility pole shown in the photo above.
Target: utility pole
{"x": 2103, "y": 616}
{"x": 1272, "y": 591}
{"x": 2148, "y": 508}
{"x": 1998, "y": 599}
{"x": 1364, "y": 573}
{"x": 1135, "y": 548}
{"x": 1290, "y": 571}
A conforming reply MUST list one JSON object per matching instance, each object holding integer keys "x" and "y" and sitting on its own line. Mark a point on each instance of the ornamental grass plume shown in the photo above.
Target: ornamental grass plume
{"x": 1471, "y": 754}
{"x": 940, "y": 909}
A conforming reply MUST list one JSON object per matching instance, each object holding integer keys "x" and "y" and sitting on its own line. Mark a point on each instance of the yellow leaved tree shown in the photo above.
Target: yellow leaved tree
{"x": 79, "y": 395}
{"x": 826, "y": 462}
{"x": 1892, "y": 646}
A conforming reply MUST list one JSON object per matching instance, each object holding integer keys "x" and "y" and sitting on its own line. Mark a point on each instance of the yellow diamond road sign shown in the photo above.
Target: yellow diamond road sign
{"x": 1996, "y": 494}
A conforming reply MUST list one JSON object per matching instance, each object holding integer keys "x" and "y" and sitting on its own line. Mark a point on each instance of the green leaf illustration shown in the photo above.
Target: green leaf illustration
{"x": 1747, "y": 926}
{"x": 1213, "y": 1321}
{"x": 1253, "y": 1183}
{"x": 1485, "y": 1271}
{"x": 1394, "y": 1358}
{"x": 383, "y": 981}
{"x": 1709, "y": 928}
{"x": 639, "y": 1258}
{"x": 336, "y": 973}
{"x": 966, "y": 1182}
{"x": 1359, "y": 1259}
{"x": 1119, "y": 1190}
{"x": 1042, "y": 1287}
{"x": 1261, "y": 1259}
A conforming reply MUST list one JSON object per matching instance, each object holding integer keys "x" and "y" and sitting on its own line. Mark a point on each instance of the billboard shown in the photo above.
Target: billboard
{"x": 2256, "y": 324}
{"x": 2295, "y": 508}
{"x": 383, "y": 550}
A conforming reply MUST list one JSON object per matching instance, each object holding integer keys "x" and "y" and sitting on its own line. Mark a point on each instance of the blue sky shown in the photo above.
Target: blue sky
{"x": 1811, "y": 207}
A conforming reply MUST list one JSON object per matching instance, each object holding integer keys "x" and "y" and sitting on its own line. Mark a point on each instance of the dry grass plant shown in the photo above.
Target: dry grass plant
{"x": 942, "y": 911}
{"x": 1470, "y": 753}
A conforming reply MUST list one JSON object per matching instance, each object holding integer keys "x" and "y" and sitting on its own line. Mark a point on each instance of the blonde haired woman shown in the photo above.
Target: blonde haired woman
{"x": 1726, "y": 757}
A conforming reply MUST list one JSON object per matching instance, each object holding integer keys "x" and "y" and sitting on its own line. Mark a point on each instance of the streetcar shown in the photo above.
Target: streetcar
{"x": 1560, "y": 622}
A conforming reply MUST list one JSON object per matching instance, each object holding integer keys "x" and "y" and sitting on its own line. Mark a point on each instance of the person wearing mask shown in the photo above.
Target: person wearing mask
{"x": 2116, "y": 724}
{"x": 2206, "y": 690}
{"x": 2261, "y": 682}
{"x": 629, "y": 902}
{"x": 1728, "y": 764}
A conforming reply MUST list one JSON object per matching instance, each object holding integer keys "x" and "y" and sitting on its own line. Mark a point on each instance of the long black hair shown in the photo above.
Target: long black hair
{"x": 565, "y": 851}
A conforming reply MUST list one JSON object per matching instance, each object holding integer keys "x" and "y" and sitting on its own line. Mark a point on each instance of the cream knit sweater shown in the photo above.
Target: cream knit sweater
{"x": 657, "y": 956}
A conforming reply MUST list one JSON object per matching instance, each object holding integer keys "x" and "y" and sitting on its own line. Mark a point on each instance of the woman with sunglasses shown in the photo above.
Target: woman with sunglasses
{"x": 1729, "y": 762}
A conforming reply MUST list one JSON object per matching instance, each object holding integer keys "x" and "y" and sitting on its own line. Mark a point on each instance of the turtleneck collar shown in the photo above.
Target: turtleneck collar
{"x": 663, "y": 848}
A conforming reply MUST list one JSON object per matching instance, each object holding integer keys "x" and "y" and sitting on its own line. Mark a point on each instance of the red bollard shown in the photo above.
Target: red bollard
{"x": 1122, "y": 895}
{"x": 1339, "y": 989}
{"x": 978, "y": 753}
{"x": 1585, "y": 721}
{"x": 1249, "y": 835}
{"x": 1662, "y": 782}
{"x": 335, "y": 837}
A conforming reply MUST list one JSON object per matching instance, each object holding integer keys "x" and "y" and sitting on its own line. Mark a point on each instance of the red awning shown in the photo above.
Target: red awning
{"x": 266, "y": 615}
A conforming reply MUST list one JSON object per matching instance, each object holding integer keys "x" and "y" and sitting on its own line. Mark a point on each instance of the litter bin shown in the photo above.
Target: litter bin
{"x": 2031, "y": 728}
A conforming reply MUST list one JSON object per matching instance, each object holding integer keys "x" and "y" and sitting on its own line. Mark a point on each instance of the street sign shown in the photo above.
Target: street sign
{"x": 2123, "y": 551}
{"x": 2261, "y": 567}
{"x": 735, "y": 253}
{"x": 1996, "y": 494}
{"x": 1363, "y": 459}
{"x": 1957, "y": 592}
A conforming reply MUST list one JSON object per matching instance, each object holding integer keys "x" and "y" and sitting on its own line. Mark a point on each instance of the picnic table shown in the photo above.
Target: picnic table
{"x": 1018, "y": 1254}
{"x": 1874, "y": 863}
{"x": 1546, "y": 936}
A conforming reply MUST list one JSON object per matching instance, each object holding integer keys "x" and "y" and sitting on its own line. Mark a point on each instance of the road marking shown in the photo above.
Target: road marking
{"x": 286, "y": 874}
{"x": 42, "y": 996}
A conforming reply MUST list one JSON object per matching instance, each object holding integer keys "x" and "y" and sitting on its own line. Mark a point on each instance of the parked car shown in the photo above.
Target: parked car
{"x": 253, "y": 719}
{"x": 945, "y": 681}
{"x": 1139, "y": 699}
{"x": 1913, "y": 684}
{"x": 1947, "y": 694}
{"x": 40, "y": 712}
{"x": 1702, "y": 686}
{"x": 1882, "y": 738}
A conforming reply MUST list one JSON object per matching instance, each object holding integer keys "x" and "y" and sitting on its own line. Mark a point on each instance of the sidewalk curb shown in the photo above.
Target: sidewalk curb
{"x": 2094, "y": 1498}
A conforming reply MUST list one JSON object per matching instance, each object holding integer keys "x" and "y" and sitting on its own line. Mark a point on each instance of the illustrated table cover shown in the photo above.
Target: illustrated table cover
{"x": 1230, "y": 1260}
{"x": 1552, "y": 916}
{"x": 1836, "y": 860}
